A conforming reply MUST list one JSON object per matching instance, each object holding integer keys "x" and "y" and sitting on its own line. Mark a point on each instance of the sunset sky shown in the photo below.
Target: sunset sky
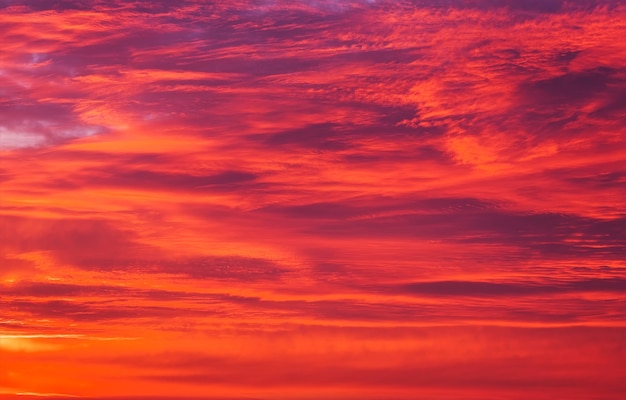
{"x": 313, "y": 199}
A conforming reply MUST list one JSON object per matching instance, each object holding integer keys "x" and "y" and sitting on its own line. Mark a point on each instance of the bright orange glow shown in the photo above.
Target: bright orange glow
{"x": 360, "y": 199}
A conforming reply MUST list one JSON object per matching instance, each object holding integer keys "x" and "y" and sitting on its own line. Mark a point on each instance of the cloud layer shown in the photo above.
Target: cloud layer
{"x": 312, "y": 199}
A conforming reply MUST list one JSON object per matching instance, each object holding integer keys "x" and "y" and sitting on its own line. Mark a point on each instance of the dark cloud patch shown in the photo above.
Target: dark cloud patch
{"x": 547, "y": 233}
{"x": 140, "y": 6}
{"x": 454, "y": 204}
{"x": 464, "y": 299}
{"x": 555, "y": 122}
{"x": 394, "y": 118}
{"x": 319, "y": 211}
{"x": 87, "y": 311}
{"x": 230, "y": 268}
{"x": 512, "y": 289}
{"x": 610, "y": 176}
{"x": 138, "y": 160}
{"x": 97, "y": 245}
{"x": 522, "y": 6}
{"x": 96, "y": 56}
{"x": 57, "y": 5}
{"x": 63, "y": 291}
{"x": 390, "y": 123}
{"x": 223, "y": 38}
{"x": 541, "y": 6}
{"x": 175, "y": 181}
{"x": 517, "y": 308}
{"x": 42, "y": 289}
{"x": 567, "y": 105}
{"x": 572, "y": 88}
{"x": 319, "y": 136}
{"x": 389, "y": 157}
{"x": 344, "y": 310}
{"x": 70, "y": 240}
{"x": 330, "y": 268}
{"x": 567, "y": 55}
{"x": 262, "y": 67}
{"x": 221, "y": 178}
{"x": 372, "y": 207}
{"x": 604, "y": 269}
{"x": 220, "y": 268}
{"x": 363, "y": 311}
{"x": 389, "y": 57}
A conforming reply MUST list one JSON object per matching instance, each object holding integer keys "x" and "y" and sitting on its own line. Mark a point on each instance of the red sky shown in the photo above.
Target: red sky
{"x": 315, "y": 199}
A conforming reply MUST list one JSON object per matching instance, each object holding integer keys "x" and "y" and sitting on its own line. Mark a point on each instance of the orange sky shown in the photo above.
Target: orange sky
{"x": 360, "y": 199}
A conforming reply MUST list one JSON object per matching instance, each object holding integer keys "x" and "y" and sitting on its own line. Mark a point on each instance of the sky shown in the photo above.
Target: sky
{"x": 268, "y": 199}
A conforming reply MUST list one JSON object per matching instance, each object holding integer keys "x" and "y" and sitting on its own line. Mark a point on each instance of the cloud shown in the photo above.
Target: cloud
{"x": 474, "y": 222}
{"x": 89, "y": 311}
{"x": 70, "y": 240}
{"x": 173, "y": 181}
{"x": 43, "y": 289}
{"x": 449, "y": 369}
{"x": 53, "y": 124}
{"x": 491, "y": 289}
{"x": 218, "y": 267}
